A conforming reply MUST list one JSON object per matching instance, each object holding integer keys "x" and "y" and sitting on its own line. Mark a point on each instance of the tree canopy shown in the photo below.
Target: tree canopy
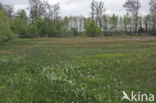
{"x": 5, "y": 31}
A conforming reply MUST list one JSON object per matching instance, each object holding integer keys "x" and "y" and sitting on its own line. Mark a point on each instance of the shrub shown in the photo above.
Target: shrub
{"x": 92, "y": 29}
{"x": 51, "y": 31}
{"x": 5, "y": 31}
{"x": 40, "y": 25}
{"x": 19, "y": 26}
{"x": 32, "y": 29}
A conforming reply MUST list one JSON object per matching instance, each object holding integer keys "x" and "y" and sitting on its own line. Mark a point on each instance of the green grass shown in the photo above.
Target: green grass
{"x": 76, "y": 70}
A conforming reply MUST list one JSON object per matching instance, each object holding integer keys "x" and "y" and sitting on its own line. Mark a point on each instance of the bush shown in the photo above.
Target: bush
{"x": 51, "y": 31}
{"x": 92, "y": 29}
{"x": 32, "y": 29}
{"x": 5, "y": 31}
{"x": 40, "y": 25}
{"x": 19, "y": 26}
{"x": 141, "y": 30}
{"x": 74, "y": 32}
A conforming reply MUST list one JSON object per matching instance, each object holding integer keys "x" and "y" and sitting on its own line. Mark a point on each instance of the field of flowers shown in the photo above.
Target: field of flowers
{"x": 76, "y": 70}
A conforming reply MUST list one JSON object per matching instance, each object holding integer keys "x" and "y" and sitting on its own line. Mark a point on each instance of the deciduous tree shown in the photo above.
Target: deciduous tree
{"x": 133, "y": 7}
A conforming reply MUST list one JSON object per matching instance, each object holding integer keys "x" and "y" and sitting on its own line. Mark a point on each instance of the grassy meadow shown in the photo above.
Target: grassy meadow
{"x": 76, "y": 70}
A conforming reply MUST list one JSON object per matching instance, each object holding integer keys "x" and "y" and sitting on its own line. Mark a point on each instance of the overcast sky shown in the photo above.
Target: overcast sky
{"x": 82, "y": 7}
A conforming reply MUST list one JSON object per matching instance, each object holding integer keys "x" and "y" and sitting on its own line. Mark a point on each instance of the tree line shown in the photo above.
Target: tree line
{"x": 44, "y": 20}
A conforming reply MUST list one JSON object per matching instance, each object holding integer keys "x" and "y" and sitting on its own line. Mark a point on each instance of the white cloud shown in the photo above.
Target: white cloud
{"x": 21, "y": 6}
{"x": 82, "y": 7}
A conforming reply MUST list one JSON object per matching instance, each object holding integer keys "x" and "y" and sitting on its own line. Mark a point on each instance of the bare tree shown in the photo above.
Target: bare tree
{"x": 93, "y": 9}
{"x": 92, "y": 12}
{"x": 56, "y": 11}
{"x": 52, "y": 11}
{"x": 9, "y": 10}
{"x": 37, "y": 10}
{"x": 97, "y": 10}
{"x": 133, "y": 7}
